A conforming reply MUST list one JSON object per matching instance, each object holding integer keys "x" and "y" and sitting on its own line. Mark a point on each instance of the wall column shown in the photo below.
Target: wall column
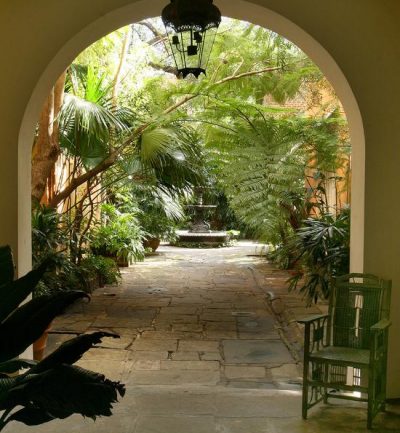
{"x": 9, "y": 195}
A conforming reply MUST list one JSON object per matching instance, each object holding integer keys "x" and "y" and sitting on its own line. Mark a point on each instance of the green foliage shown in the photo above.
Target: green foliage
{"x": 119, "y": 235}
{"x": 53, "y": 388}
{"x": 261, "y": 165}
{"x": 322, "y": 248}
{"x": 89, "y": 121}
{"x": 233, "y": 234}
{"x": 160, "y": 210}
{"x": 157, "y": 225}
{"x": 103, "y": 270}
{"x": 225, "y": 131}
{"x": 48, "y": 236}
{"x": 170, "y": 156}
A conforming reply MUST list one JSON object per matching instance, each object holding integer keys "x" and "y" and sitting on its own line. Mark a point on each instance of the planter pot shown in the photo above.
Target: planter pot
{"x": 39, "y": 346}
{"x": 152, "y": 243}
{"x": 123, "y": 260}
{"x": 101, "y": 281}
{"x": 123, "y": 263}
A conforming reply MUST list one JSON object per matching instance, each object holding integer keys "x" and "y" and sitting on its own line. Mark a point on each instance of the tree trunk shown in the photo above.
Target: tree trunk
{"x": 46, "y": 148}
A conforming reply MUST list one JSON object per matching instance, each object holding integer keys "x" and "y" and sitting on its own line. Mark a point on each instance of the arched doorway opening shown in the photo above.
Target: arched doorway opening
{"x": 240, "y": 10}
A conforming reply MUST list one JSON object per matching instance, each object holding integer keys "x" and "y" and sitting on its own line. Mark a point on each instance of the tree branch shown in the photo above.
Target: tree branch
{"x": 85, "y": 177}
{"x": 167, "y": 69}
{"x": 247, "y": 74}
{"x": 112, "y": 158}
{"x": 149, "y": 26}
{"x": 122, "y": 59}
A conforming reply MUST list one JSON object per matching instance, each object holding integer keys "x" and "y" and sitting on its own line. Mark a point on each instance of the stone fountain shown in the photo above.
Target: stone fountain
{"x": 200, "y": 233}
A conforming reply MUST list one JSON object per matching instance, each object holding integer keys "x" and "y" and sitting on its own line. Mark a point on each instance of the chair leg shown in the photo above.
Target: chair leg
{"x": 304, "y": 405}
{"x": 369, "y": 418}
{"x": 371, "y": 398}
{"x": 326, "y": 378}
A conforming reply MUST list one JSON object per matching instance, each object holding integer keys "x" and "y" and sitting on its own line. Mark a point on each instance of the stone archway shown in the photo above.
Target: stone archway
{"x": 241, "y": 9}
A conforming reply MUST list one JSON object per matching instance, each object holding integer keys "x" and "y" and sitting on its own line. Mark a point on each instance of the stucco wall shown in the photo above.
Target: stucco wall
{"x": 41, "y": 37}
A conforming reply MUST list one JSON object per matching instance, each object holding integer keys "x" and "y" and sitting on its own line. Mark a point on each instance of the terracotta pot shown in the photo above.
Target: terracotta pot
{"x": 152, "y": 243}
{"x": 123, "y": 262}
{"x": 39, "y": 346}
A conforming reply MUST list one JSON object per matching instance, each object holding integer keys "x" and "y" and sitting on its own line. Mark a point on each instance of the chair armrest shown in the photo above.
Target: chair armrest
{"x": 314, "y": 333}
{"x": 313, "y": 318}
{"x": 379, "y": 342}
{"x": 381, "y": 325}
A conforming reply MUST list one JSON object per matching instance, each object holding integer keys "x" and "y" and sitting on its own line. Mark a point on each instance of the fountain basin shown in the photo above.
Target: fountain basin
{"x": 209, "y": 239}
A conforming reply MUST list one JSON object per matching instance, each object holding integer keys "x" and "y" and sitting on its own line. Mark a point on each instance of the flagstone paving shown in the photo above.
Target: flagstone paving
{"x": 208, "y": 345}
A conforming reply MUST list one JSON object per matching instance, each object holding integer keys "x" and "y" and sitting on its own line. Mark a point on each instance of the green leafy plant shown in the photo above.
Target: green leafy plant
{"x": 233, "y": 234}
{"x": 47, "y": 234}
{"x": 103, "y": 269}
{"x": 322, "y": 248}
{"x": 160, "y": 210}
{"x": 53, "y": 388}
{"x": 119, "y": 235}
{"x": 48, "y": 242}
{"x": 157, "y": 225}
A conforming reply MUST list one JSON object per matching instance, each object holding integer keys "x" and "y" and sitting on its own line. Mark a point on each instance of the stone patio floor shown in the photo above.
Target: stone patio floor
{"x": 208, "y": 345}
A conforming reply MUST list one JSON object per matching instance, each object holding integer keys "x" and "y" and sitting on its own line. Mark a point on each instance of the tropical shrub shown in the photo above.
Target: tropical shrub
{"x": 102, "y": 268}
{"x": 47, "y": 234}
{"x": 119, "y": 235}
{"x": 157, "y": 225}
{"x": 49, "y": 241}
{"x": 53, "y": 388}
{"x": 322, "y": 248}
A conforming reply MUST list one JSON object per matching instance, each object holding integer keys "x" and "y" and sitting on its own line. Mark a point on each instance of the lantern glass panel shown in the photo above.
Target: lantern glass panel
{"x": 191, "y": 27}
{"x": 191, "y": 48}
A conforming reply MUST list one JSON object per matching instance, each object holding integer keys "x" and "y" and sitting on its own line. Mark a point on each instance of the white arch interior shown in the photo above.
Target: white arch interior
{"x": 239, "y": 9}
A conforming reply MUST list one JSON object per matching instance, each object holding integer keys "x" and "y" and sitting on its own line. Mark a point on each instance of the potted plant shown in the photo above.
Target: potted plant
{"x": 157, "y": 227}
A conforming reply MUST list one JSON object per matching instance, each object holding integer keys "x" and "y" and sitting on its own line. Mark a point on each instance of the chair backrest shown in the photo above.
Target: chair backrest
{"x": 358, "y": 302}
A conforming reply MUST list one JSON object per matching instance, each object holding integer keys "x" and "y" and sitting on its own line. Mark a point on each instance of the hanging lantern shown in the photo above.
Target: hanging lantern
{"x": 191, "y": 28}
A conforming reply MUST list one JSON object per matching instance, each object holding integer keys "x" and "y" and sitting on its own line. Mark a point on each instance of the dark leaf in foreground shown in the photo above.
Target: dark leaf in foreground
{"x": 31, "y": 416}
{"x": 15, "y": 365}
{"x": 29, "y": 322}
{"x": 71, "y": 351}
{"x": 65, "y": 390}
{"x": 15, "y": 292}
{"x": 6, "y": 265}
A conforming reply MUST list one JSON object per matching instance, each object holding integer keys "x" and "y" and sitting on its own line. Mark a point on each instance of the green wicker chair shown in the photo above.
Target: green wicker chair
{"x": 345, "y": 352}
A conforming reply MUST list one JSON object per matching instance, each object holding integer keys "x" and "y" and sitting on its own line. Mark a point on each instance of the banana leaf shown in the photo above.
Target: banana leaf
{"x": 64, "y": 391}
{"x": 28, "y": 322}
{"x": 16, "y": 364}
{"x": 54, "y": 388}
{"x": 15, "y": 292}
{"x": 31, "y": 416}
{"x": 70, "y": 351}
